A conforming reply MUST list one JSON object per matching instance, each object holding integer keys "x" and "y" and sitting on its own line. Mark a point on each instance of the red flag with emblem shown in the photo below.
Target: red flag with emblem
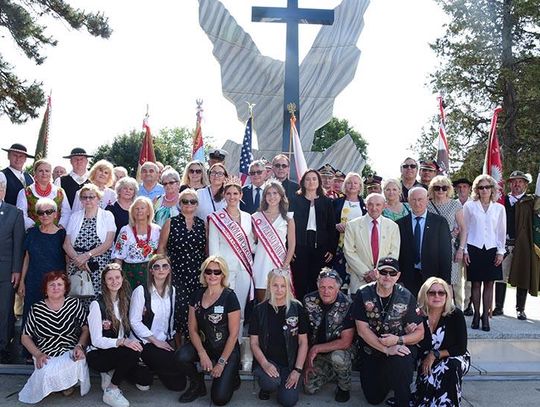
{"x": 493, "y": 161}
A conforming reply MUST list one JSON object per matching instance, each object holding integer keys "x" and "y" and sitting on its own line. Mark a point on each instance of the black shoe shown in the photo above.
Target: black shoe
{"x": 521, "y": 316}
{"x": 485, "y": 323}
{"x": 264, "y": 395}
{"x": 469, "y": 311}
{"x": 196, "y": 389}
{"x": 237, "y": 382}
{"x": 5, "y": 357}
{"x": 342, "y": 396}
{"x": 497, "y": 312}
{"x": 475, "y": 322}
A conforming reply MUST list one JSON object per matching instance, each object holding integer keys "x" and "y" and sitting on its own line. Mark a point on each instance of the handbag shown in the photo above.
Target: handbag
{"x": 81, "y": 284}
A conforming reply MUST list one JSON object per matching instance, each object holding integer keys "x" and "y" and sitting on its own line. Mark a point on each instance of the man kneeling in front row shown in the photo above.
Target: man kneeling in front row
{"x": 331, "y": 331}
{"x": 383, "y": 310}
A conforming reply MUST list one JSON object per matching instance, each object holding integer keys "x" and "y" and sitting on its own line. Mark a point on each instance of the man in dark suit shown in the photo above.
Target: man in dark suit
{"x": 280, "y": 166}
{"x": 11, "y": 255}
{"x": 425, "y": 249}
{"x": 16, "y": 177}
{"x": 252, "y": 194}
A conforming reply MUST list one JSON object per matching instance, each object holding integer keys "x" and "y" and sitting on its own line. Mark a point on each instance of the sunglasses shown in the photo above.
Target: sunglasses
{"x": 88, "y": 197}
{"x": 217, "y": 173}
{"x": 482, "y": 187}
{"x": 388, "y": 272}
{"x": 440, "y": 188}
{"x": 190, "y": 201}
{"x": 47, "y": 212}
{"x": 411, "y": 166}
{"x": 195, "y": 171}
{"x": 329, "y": 274}
{"x": 216, "y": 272}
{"x": 282, "y": 166}
{"x": 164, "y": 266}
{"x": 441, "y": 293}
{"x": 258, "y": 172}
{"x": 168, "y": 183}
{"x": 113, "y": 266}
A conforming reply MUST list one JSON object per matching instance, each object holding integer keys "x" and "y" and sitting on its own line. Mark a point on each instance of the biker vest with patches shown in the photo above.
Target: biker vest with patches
{"x": 334, "y": 317}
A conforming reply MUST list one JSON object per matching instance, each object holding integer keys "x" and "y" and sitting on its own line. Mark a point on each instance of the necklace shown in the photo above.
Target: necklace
{"x": 146, "y": 248}
{"x": 43, "y": 192}
{"x": 169, "y": 200}
{"x": 384, "y": 309}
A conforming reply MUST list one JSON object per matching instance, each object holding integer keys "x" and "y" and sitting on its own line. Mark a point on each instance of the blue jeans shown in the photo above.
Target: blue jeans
{"x": 285, "y": 397}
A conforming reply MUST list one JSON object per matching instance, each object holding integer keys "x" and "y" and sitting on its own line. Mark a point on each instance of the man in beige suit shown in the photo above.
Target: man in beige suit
{"x": 368, "y": 239}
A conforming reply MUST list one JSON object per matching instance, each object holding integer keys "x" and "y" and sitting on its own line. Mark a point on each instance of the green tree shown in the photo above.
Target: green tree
{"x": 172, "y": 147}
{"x": 490, "y": 56}
{"x": 336, "y": 129}
{"x": 22, "y": 20}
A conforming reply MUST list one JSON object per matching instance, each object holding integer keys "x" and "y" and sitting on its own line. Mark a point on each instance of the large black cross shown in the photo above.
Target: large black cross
{"x": 292, "y": 15}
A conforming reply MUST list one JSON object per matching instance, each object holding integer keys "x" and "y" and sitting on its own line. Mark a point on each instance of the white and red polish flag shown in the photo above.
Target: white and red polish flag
{"x": 299, "y": 159}
{"x": 442, "y": 148}
{"x": 493, "y": 161}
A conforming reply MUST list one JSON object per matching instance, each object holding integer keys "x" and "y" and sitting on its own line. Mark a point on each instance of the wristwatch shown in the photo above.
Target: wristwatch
{"x": 222, "y": 361}
{"x": 400, "y": 340}
{"x": 436, "y": 353}
{"x": 298, "y": 370}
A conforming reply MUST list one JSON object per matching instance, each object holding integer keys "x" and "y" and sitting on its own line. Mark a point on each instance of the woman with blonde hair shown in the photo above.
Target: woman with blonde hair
{"x": 394, "y": 208}
{"x": 101, "y": 175}
{"x": 214, "y": 322}
{"x": 445, "y": 359}
{"x": 278, "y": 338}
{"x": 486, "y": 238}
{"x": 137, "y": 241}
{"x": 194, "y": 176}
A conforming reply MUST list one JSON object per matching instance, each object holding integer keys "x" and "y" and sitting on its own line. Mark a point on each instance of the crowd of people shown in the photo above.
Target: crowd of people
{"x": 169, "y": 276}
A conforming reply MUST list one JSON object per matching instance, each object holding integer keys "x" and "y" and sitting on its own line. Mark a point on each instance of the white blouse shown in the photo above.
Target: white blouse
{"x": 485, "y": 228}
{"x": 95, "y": 326}
{"x": 207, "y": 205}
{"x": 22, "y": 204}
{"x": 126, "y": 247}
{"x": 161, "y": 307}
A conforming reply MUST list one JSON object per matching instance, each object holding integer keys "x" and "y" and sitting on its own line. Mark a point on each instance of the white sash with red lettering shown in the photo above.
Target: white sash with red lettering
{"x": 236, "y": 238}
{"x": 269, "y": 238}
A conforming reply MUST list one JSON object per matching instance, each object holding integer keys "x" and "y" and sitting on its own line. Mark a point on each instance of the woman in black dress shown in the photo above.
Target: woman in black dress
{"x": 316, "y": 237}
{"x": 445, "y": 358}
{"x": 183, "y": 239}
{"x": 214, "y": 321}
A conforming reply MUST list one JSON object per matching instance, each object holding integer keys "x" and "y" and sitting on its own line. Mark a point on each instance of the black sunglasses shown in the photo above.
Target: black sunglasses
{"x": 216, "y": 272}
{"x": 388, "y": 272}
{"x": 411, "y": 166}
{"x": 482, "y": 187}
{"x": 195, "y": 171}
{"x": 433, "y": 293}
{"x": 281, "y": 165}
{"x": 258, "y": 172}
{"x": 190, "y": 201}
{"x": 440, "y": 188}
{"x": 47, "y": 212}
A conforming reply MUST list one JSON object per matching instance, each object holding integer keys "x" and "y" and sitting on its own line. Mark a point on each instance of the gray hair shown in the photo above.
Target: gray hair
{"x": 127, "y": 182}
{"x": 258, "y": 163}
{"x": 170, "y": 173}
{"x": 375, "y": 195}
{"x": 414, "y": 189}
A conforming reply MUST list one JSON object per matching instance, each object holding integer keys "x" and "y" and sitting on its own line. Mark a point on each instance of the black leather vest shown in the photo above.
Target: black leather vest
{"x": 391, "y": 319}
{"x": 334, "y": 318}
{"x": 291, "y": 333}
{"x": 107, "y": 330}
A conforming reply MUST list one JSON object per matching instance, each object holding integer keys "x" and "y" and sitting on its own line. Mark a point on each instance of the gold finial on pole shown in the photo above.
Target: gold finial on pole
{"x": 291, "y": 107}
{"x": 250, "y": 108}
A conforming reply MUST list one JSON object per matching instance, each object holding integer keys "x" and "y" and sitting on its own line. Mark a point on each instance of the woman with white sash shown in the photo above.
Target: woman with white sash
{"x": 230, "y": 237}
{"x": 274, "y": 230}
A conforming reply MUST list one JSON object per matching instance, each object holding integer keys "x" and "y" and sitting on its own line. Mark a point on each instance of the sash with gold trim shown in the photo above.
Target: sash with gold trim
{"x": 269, "y": 238}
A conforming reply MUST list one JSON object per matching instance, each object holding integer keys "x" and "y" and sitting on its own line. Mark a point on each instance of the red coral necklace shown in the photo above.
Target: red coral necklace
{"x": 43, "y": 192}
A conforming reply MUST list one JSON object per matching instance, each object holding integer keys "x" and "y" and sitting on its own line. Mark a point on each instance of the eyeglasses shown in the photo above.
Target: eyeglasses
{"x": 164, "y": 266}
{"x": 482, "y": 187}
{"x": 87, "y": 197}
{"x": 258, "y": 172}
{"x": 441, "y": 293}
{"x": 427, "y": 169}
{"x": 216, "y": 272}
{"x": 168, "y": 183}
{"x": 282, "y": 166}
{"x": 411, "y": 166}
{"x": 195, "y": 171}
{"x": 217, "y": 173}
{"x": 190, "y": 201}
{"x": 440, "y": 188}
{"x": 388, "y": 272}
{"x": 47, "y": 212}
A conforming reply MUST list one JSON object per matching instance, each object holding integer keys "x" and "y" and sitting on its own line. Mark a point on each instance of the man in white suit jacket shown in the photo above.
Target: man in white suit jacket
{"x": 359, "y": 244}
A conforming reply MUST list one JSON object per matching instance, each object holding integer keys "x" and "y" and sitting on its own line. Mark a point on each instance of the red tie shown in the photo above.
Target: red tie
{"x": 375, "y": 242}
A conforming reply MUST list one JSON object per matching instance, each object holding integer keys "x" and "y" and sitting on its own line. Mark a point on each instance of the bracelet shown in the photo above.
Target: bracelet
{"x": 297, "y": 369}
{"x": 400, "y": 340}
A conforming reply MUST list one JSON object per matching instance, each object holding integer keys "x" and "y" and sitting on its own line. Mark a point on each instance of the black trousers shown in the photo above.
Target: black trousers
{"x": 163, "y": 363}
{"x": 124, "y": 362}
{"x": 380, "y": 373}
{"x": 500, "y": 296}
{"x": 223, "y": 386}
{"x": 7, "y": 317}
{"x": 305, "y": 269}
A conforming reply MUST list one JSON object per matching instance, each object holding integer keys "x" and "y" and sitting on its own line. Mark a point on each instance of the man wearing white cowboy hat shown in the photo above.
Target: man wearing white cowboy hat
{"x": 521, "y": 266}
{"x": 16, "y": 177}
{"x": 78, "y": 176}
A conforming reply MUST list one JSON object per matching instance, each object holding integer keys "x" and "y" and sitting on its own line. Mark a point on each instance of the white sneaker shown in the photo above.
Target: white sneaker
{"x": 106, "y": 379}
{"x": 142, "y": 388}
{"x": 114, "y": 398}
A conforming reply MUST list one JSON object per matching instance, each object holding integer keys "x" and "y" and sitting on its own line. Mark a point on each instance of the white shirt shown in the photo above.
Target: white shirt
{"x": 312, "y": 219}
{"x": 18, "y": 174}
{"x": 161, "y": 307}
{"x": 95, "y": 326}
{"x": 207, "y": 205}
{"x": 79, "y": 179}
{"x": 126, "y": 247}
{"x": 485, "y": 228}
{"x": 378, "y": 227}
{"x": 514, "y": 198}
{"x": 22, "y": 204}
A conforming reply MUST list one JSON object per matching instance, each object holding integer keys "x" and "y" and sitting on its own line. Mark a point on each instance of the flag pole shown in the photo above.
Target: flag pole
{"x": 291, "y": 107}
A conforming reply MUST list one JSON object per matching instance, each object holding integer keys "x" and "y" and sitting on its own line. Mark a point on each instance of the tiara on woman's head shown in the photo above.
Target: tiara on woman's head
{"x": 232, "y": 180}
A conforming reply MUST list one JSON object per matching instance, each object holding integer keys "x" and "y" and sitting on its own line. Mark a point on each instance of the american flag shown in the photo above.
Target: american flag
{"x": 245, "y": 156}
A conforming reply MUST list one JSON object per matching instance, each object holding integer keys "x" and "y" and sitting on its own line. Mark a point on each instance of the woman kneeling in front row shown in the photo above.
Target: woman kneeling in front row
{"x": 214, "y": 322}
{"x": 112, "y": 352}
{"x": 278, "y": 337}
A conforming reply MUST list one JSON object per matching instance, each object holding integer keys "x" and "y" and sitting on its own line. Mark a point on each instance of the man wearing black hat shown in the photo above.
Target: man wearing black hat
{"x": 428, "y": 170}
{"x": 373, "y": 184}
{"x": 521, "y": 266}
{"x": 327, "y": 176}
{"x": 16, "y": 177}
{"x": 383, "y": 311}
{"x": 74, "y": 181}
{"x": 216, "y": 156}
